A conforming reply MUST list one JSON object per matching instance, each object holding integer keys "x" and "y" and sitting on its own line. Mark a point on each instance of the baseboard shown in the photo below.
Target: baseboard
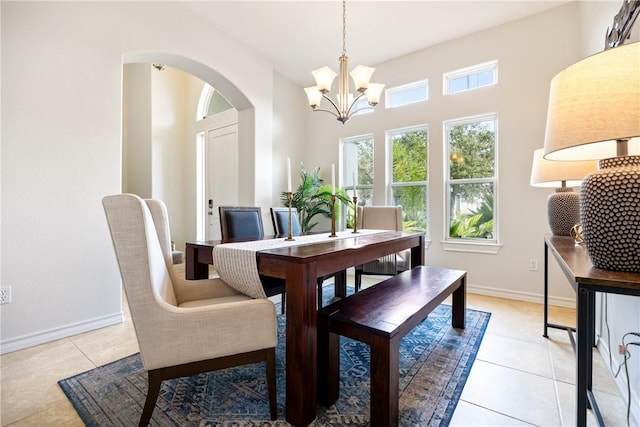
{"x": 520, "y": 296}
{"x": 25, "y": 341}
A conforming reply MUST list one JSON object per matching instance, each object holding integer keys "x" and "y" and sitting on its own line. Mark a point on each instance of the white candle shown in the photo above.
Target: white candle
{"x": 333, "y": 179}
{"x": 354, "y": 183}
{"x": 289, "y": 174}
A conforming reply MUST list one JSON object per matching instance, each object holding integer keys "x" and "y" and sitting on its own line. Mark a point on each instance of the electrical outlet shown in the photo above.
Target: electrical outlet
{"x": 533, "y": 264}
{"x": 5, "y": 294}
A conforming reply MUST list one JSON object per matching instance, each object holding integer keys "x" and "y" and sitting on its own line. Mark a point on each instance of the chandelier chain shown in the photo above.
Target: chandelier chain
{"x": 344, "y": 27}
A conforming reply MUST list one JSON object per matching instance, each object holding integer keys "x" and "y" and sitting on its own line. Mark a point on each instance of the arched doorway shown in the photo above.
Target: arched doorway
{"x": 183, "y": 208}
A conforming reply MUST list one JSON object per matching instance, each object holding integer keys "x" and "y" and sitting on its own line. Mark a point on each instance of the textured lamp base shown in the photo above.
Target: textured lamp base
{"x": 610, "y": 211}
{"x": 563, "y": 211}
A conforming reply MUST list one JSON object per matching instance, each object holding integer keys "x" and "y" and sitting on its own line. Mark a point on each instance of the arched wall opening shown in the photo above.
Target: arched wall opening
{"x": 179, "y": 192}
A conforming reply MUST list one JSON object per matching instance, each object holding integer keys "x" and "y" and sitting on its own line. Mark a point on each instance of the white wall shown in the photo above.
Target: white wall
{"x": 61, "y": 146}
{"x": 172, "y": 113}
{"x": 288, "y": 134}
{"x": 136, "y": 130}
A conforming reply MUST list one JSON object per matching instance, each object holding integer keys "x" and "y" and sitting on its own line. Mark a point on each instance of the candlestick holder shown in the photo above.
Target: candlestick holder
{"x": 289, "y": 237}
{"x": 333, "y": 216}
{"x": 355, "y": 214}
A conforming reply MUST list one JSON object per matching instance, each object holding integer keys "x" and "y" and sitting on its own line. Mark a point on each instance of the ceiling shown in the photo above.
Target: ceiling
{"x": 300, "y": 36}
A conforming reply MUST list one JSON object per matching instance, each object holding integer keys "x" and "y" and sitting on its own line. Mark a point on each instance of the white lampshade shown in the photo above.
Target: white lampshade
{"x": 373, "y": 93}
{"x": 314, "y": 95}
{"x": 549, "y": 173}
{"x": 361, "y": 76}
{"x": 563, "y": 206}
{"x": 324, "y": 78}
{"x": 593, "y": 103}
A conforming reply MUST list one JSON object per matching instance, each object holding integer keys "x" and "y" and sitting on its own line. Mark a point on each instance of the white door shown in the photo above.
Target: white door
{"x": 221, "y": 175}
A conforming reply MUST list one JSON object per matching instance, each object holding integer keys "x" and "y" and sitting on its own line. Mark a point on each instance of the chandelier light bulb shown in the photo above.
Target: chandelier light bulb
{"x": 374, "y": 92}
{"x": 314, "y": 95}
{"x": 324, "y": 78}
{"x": 361, "y": 76}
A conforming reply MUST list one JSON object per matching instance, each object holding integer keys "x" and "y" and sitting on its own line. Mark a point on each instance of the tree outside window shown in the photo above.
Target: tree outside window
{"x": 409, "y": 175}
{"x": 472, "y": 177}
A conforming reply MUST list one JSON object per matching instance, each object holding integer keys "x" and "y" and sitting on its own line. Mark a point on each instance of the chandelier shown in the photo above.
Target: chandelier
{"x": 345, "y": 105}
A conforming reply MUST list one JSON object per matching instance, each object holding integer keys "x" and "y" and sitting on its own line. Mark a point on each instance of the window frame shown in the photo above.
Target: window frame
{"x": 388, "y": 93}
{"x": 470, "y": 244}
{"x": 469, "y": 71}
{"x": 390, "y": 184}
{"x": 346, "y": 171}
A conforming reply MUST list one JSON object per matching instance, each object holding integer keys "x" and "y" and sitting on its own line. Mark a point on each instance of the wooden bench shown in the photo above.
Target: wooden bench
{"x": 380, "y": 316}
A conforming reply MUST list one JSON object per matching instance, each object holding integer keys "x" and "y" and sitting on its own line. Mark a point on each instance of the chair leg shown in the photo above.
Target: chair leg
{"x": 358, "y": 281}
{"x": 155, "y": 379}
{"x": 283, "y": 302}
{"x": 271, "y": 382}
{"x": 320, "y": 282}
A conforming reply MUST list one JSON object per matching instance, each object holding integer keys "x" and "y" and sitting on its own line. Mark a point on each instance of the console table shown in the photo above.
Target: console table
{"x": 586, "y": 281}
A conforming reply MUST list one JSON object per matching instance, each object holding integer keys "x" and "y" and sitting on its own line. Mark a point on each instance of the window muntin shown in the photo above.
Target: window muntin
{"x": 408, "y": 149}
{"x": 471, "y": 78}
{"x": 471, "y": 178}
{"x": 411, "y": 93}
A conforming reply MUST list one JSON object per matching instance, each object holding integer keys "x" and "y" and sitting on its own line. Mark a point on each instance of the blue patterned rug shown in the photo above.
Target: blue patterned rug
{"x": 435, "y": 361}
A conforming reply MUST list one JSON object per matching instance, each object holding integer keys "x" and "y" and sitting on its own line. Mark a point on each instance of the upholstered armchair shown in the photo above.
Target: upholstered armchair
{"x": 381, "y": 218}
{"x": 183, "y": 327}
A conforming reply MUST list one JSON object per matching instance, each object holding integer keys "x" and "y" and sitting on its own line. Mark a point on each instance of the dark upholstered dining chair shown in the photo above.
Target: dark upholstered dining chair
{"x": 241, "y": 222}
{"x": 280, "y": 219}
{"x": 238, "y": 223}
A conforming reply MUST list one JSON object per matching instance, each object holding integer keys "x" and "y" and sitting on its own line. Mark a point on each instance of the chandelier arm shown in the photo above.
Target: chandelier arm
{"x": 353, "y": 103}
{"x": 368, "y": 107}
{"x": 326, "y": 111}
{"x": 332, "y": 103}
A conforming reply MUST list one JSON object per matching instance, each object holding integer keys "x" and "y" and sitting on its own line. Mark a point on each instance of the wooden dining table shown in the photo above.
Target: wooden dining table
{"x": 300, "y": 266}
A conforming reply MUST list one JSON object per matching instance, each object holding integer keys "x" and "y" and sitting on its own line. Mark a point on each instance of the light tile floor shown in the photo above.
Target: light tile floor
{"x": 519, "y": 378}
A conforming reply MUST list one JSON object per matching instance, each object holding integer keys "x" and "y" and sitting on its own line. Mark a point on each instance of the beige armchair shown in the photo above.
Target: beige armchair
{"x": 183, "y": 327}
{"x": 381, "y": 218}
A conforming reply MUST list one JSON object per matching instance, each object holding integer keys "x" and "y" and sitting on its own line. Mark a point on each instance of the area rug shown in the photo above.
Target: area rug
{"x": 435, "y": 361}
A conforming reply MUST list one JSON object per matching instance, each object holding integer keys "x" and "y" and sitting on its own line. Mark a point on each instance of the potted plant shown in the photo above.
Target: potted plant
{"x": 313, "y": 198}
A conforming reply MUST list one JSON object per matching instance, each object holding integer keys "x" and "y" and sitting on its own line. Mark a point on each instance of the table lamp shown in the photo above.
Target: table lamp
{"x": 593, "y": 113}
{"x": 563, "y": 206}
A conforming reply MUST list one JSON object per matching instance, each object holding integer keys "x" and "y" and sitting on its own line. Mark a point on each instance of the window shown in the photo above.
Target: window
{"x": 411, "y": 93}
{"x": 357, "y": 163}
{"x": 211, "y": 102}
{"x": 471, "y": 178}
{"x": 409, "y": 175}
{"x": 471, "y": 78}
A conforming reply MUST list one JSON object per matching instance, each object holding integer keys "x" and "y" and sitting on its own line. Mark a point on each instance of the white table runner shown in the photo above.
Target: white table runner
{"x": 237, "y": 264}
